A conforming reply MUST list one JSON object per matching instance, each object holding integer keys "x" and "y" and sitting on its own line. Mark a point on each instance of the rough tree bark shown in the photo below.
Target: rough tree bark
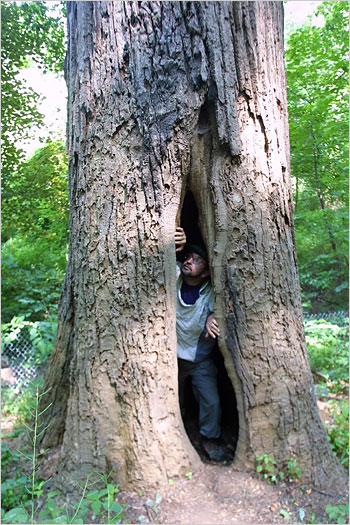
{"x": 164, "y": 97}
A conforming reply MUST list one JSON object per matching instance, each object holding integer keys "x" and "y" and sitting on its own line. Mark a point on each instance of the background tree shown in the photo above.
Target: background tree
{"x": 30, "y": 32}
{"x": 166, "y": 97}
{"x": 34, "y": 192}
{"x": 317, "y": 74}
{"x": 35, "y": 235}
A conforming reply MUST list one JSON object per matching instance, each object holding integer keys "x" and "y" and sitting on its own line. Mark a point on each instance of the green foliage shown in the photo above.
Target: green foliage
{"x": 327, "y": 344}
{"x": 21, "y": 493}
{"x": 13, "y": 490}
{"x": 285, "y": 514}
{"x": 34, "y": 193}
{"x": 95, "y": 506}
{"x": 339, "y": 513}
{"x": 40, "y": 273}
{"x": 266, "y": 465}
{"x": 41, "y": 334}
{"x": 34, "y": 432}
{"x": 8, "y": 456}
{"x": 30, "y": 32}
{"x": 317, "y": 76}
{"x": 35, "y": 234}
{"x": 293, "y": 469}
{"x": 24, "y": 490}
{"x": 338, "y": 433}
{"x": 36, "y": 198}
{"x": 100, "y": 503}
{"x": 15, "y": 515}
{"x": 52, "y": 512}
{"x": 20, "y": 406}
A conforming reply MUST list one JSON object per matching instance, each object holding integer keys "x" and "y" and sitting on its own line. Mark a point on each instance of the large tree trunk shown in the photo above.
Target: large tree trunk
{"x": 166, "y": 97}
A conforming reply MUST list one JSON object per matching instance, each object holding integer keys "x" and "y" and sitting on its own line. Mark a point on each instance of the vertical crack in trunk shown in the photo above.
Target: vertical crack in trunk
{"x": 208, "y": 157}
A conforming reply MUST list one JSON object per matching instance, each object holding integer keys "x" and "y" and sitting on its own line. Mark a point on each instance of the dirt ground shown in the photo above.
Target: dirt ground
{"x": 219, "y": 495}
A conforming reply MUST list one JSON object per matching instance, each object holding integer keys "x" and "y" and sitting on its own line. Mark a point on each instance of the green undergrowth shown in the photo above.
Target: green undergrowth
{"x": 327, "y": 344}
{"x": 267, "y": 467}
{"x": 40, "y": 336}
{"x": 24, "y": 495}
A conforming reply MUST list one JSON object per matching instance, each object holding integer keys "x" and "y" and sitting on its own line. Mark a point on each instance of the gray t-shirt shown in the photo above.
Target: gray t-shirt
{"x": 192, "y": 345}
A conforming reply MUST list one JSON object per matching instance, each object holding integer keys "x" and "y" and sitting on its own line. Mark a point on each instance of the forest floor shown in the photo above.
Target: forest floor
{"x": 220, "y": 495}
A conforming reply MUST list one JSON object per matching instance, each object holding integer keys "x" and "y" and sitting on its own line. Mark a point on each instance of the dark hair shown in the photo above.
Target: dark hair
{"x": 197, "y": 248}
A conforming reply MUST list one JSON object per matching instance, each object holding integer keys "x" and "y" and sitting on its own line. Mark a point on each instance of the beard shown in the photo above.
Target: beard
{"x": 191, "y": 271}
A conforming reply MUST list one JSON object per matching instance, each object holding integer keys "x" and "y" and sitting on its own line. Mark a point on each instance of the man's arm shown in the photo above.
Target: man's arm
{"x": 180, "y": 239}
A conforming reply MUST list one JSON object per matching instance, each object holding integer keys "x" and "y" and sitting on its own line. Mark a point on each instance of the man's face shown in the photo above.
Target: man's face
{"x": 194, "y": 266}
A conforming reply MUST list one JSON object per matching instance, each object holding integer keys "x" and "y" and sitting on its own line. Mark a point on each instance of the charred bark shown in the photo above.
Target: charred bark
{"x": 166, "y": 97}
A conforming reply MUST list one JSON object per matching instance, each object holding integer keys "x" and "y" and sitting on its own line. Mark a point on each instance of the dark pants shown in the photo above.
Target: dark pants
{"x": 204, "y": 385}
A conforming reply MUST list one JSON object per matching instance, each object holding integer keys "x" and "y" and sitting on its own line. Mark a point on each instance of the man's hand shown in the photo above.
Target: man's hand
{"x": 212, "y": 327}
{"x": 180, "y": 239}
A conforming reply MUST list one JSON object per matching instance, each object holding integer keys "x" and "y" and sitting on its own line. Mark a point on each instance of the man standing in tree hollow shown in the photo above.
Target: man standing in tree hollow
{"x": 196, "y": 330}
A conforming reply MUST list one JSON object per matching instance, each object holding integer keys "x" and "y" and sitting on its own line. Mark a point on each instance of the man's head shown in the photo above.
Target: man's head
{"x": 195, "y": 268}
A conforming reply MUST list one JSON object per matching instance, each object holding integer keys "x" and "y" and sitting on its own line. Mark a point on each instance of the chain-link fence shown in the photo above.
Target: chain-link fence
{"x": 326, "y": 316}
{"x": 18, "y": 356}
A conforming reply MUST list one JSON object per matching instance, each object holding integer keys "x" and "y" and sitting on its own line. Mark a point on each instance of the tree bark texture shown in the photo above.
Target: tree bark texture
{"x": 165, "y": 97}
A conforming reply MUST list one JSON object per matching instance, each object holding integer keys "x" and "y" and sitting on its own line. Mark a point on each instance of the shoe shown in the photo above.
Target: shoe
{"x": 215, "y": 450}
